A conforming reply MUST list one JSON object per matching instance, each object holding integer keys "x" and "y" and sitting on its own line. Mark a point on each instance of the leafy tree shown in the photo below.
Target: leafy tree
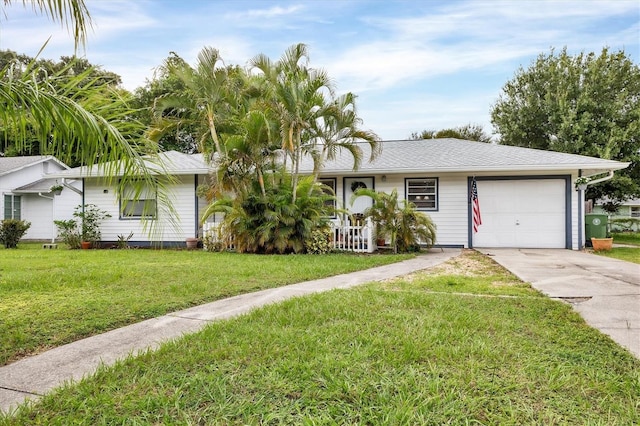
{"x": 150, "y": 109}
{"x": 470, "y": 132}
{"x": 256, "y": 128}
{"x": 74, "y": 77}
{"x": 585, "y": 104}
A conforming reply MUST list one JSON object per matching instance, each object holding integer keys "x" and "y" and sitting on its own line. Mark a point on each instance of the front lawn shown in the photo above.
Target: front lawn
{"x": 52, "y": 297}
{"x": 631, "y": 238}
{"x": 465, "y": 343}
{"x": 629, "y": 254}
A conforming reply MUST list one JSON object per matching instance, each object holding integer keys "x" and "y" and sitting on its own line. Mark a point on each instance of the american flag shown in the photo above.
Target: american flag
{"x": 475, "y": 206}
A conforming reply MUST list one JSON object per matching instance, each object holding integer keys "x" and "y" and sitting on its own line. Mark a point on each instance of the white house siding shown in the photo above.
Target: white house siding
{"x": 41, "y": 212}
{"x": 451, "y": 216}
{"x": 163, "y": 229}
{"x": 36, "y": 209}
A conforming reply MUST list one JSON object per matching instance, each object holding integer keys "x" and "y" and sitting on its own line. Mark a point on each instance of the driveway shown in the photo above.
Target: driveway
{"x": 606, "y": 292}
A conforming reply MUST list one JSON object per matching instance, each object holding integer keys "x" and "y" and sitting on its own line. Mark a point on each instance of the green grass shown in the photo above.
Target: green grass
{"x": 410, "y": 351}
{"x": 631, "y": 238}
{"x": 629, "y": 254}
{"x": 52, "y": 297}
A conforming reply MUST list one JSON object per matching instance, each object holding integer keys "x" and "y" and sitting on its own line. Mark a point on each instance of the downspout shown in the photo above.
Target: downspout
{"x": 53, "y": 215}
{"x": 581, "y": 192}
{"x": 71, "y": 187}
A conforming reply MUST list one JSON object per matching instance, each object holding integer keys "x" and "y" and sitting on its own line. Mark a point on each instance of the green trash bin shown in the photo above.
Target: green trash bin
{"x": 595, "y": 226}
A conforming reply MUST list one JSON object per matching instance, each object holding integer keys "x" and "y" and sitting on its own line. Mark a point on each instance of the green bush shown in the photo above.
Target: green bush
{"x": 399, "y": 221}
{"x": 69, "y": 232}
{"x": 319, "y": 242}
{"x": 273, "y": 222}
{"x": 11, "y": 231}
{"x": 85, "y": 228}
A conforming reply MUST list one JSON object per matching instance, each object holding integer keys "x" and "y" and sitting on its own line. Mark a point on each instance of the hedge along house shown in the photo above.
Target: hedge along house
{"x": 133, "y": 215}
{"x": 27, "y": 194}
{"x": 527, "y": 197}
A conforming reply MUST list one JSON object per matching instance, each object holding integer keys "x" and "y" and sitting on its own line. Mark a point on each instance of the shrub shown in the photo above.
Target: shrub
{"x": 11, "y": 231}
{"x": 273, "y": 222}
{"x": 69, "y": 232}
{"x": 319, "y": 242}
{"x": 85, "y": 228}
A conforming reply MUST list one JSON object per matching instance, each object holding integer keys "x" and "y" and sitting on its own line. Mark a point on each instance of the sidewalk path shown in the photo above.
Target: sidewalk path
{"x": 32, "y": 377}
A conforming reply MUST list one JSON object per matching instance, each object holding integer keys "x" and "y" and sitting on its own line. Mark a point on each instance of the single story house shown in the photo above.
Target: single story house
{"x": 626, "y": 218}
{"x": 527, "y": 197}
{"x": 27, "y": 195}
{"x": 188, "y": 171}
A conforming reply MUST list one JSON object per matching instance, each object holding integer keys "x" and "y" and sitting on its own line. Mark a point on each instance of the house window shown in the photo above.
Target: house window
{"x": 635, "y": 211}
{"x": 138, "y": 202}
{"x": 423, "y": 192}
{"x": 329, "y": 188}
{"x": 12, "y": 206}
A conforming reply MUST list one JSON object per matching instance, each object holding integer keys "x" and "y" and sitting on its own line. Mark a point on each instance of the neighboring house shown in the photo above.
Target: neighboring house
{"x": 527, "y": 197}
{"x": 626, "y": 218}
{"x": 26, "y": 194}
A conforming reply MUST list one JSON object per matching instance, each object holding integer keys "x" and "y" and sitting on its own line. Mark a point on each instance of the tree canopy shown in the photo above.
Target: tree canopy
{"x": 471, "y": 132}
{"x": 256, "y": 125}
{"x": 584, "y": 104}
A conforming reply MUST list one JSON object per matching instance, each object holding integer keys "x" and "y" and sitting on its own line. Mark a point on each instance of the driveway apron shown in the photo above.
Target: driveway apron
{"x": 604, "y": 291}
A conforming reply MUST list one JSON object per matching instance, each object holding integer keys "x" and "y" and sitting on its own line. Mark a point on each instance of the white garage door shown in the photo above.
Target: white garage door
{"x": 521, "y": 213}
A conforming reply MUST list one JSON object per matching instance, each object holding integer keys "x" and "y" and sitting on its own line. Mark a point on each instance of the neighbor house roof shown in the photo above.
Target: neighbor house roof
{"x": 455, "y": 155}
{"x": 39, "y": 186}
{"x": 171, "y": 162}
{"x": 13, "y": 164}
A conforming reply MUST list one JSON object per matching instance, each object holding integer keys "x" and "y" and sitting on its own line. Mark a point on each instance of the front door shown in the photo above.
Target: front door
{"x": 360, "y": 204}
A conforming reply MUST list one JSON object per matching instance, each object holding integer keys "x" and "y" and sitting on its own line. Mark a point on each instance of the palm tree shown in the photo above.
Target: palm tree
{"x": 297, "y": 96}
{"x": 337, "y": 129}
{"x": 75, "y": 117}
{"x": 58, "y": 117}
{"x": 405, "y": 226}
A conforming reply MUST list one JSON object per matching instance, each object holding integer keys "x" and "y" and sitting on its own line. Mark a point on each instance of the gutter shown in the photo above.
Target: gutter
{"x": 609, "y": 176}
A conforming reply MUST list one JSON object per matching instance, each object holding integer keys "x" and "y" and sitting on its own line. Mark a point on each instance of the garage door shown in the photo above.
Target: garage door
{"x": 521, "y": 213}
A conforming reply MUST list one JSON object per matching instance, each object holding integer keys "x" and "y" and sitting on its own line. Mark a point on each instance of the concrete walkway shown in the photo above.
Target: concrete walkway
{"x": 604, "y": 291}
{"x": 34, "y": 376}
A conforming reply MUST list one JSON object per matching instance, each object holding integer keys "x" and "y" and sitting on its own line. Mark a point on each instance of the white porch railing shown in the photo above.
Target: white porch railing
{"x": 211, "y": 234}
{"x": 358, "y": 237}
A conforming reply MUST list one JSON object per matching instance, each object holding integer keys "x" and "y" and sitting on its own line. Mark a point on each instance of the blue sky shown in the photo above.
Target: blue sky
{"x": 413, "y": 64}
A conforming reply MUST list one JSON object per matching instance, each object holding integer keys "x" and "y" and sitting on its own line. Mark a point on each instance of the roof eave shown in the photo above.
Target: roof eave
{"x": 476, "y": 169}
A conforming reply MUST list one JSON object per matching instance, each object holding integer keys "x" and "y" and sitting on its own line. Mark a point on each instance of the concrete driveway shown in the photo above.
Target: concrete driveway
{"x": 606, "y": 292}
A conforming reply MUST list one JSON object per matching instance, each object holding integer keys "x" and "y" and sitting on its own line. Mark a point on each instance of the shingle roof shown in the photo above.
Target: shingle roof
{"x": 455, "y": 155}
{"x": 411, "y": 156}
{"x": 42, "y": 185}
{"x": 11, "y": 164}
{"x": 175, "y": 163}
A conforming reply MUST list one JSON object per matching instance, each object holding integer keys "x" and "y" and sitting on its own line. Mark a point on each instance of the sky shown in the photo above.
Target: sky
{"x": 414, "y": 65}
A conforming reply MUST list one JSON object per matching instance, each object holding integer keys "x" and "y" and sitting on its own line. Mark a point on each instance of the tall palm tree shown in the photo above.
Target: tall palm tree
{"x": 297, "y": 96}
